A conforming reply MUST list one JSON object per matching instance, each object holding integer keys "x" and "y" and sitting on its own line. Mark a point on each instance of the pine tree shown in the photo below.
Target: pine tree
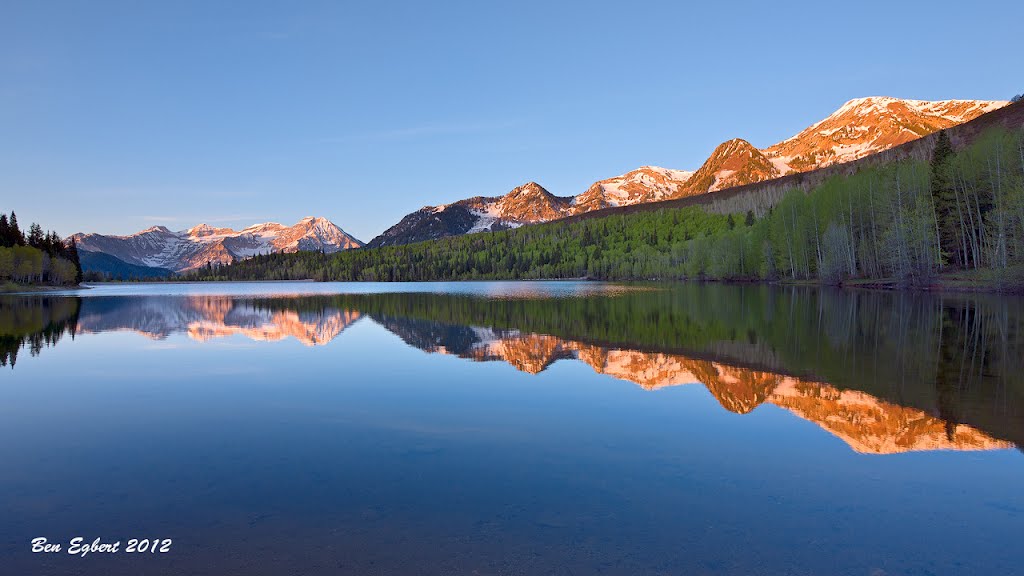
{"x": 54, "y": 246}
{"x": 71, "y": 253}
{"x": 944, "y": 197}
{"x": 17, "y": 238}
{"x": 35, "y": 236}
{"x": 5, "y": 232}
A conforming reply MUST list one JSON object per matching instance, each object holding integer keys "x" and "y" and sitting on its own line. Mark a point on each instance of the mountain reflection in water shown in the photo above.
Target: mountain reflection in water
{"x": 886, "y": 373}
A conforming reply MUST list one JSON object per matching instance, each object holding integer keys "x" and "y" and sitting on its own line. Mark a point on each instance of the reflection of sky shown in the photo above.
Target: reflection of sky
{"x": 414, "y": 458}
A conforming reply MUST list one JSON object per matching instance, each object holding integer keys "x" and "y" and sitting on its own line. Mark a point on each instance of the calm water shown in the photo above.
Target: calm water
{"x": 512, "y": 428}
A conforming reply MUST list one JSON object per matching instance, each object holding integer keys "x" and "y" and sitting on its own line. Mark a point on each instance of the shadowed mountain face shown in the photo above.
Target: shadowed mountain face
{"x": 886, "y": 373}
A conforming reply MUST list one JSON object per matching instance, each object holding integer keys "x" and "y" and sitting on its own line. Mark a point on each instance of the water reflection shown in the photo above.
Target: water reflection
{"x": 886, "y": 373}
{"x": 34, "y": 323}
{"x": 204, "y": 318}
{"x": 866, "y": 423}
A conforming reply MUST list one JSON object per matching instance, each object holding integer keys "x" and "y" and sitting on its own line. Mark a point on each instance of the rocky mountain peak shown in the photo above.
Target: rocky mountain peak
{"x": 732, "y": 147}
{"x": 864, "y": 126}
{"x": 529, "y": 203}
{"x": 527, "y": 191}
{"x": 202, "y": 230}
{"x": 154, "y": 229}
{"x": 733, "y": 163}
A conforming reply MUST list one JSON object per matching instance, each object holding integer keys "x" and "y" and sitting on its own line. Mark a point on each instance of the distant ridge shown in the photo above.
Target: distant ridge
{"x": 116, "y": 269}
{"x": 159, "y": 247}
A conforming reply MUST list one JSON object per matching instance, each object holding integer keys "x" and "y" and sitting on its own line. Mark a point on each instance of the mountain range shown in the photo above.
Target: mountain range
{"x": 859, "y": 128}
{"x": 163, "y": 249}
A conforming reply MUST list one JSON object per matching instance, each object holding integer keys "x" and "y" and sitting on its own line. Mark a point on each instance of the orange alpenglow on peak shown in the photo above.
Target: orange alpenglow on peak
{"x": 865, "y": 423}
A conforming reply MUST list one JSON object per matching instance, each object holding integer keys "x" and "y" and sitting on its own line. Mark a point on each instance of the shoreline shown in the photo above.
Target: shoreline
{"x": 952, "y": 283}
{"x": 11, "y": 289}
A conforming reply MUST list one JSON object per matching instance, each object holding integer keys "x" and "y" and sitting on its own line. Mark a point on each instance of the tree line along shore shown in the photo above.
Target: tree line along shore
{"x": 36, "y": 259}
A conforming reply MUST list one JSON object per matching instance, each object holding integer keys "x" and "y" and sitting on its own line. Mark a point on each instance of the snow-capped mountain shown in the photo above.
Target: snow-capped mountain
{"x": 188, "y": 249}
{"x": 733, "y": 163}
{"x": 865, "y": 126}
{"x": 645, "y": 184}
{"x": 860, "y": 127}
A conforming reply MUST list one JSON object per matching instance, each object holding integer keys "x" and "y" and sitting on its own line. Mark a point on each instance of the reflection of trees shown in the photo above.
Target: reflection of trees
{"x": 958, "y": 357}
{"x": 973, "y": 350}
{"x": 34, "y": 322}
{"x": 866, "y": 423}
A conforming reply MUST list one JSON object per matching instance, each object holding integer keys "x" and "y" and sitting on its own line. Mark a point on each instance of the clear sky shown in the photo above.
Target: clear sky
{"x": 116, "y": 116}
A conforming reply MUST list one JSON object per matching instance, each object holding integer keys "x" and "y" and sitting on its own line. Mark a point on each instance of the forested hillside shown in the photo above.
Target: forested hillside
{"x": 36, "y": 258}
{"x": 906, "y": 221}
{"x": 901, "y": 222}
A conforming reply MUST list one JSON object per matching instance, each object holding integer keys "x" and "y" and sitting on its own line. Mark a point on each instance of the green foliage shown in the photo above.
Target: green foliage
{"x": 902, "y": 222}
{"x": 41, "y": 258}
{"x": 644, "y": 245}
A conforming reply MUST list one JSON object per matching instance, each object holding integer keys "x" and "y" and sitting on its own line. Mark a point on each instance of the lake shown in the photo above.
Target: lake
{"x": 500, "y": 428}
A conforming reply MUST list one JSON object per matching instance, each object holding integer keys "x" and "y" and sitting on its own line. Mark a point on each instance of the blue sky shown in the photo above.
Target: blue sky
{"x": 116, "y": 116}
